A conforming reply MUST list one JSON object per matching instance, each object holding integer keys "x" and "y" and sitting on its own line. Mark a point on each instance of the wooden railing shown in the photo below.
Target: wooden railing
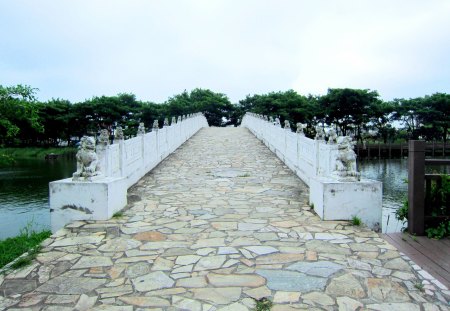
{"x": 391, "y": 150}
{"x": 422, "y": 199}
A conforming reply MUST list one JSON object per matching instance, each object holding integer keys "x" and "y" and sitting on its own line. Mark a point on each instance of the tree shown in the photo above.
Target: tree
{"x": 411, "y": 113}
{"x": 288, "y": 105}
{"x": 17, "y": 106}
{"x": 56, "y": 116}
{"x": 381, "y": 117}
{"x": 348, "y": 108}
{"x": 215, "y": 106}
{"x": 437, "y": 116}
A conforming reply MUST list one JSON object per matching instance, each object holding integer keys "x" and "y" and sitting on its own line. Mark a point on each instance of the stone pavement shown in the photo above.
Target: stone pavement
{"x": 219, "y": 224}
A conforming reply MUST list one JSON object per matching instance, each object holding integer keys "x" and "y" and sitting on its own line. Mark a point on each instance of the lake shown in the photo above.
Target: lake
{"x": 393, "y": 173}
{"x": 24, "y": 191}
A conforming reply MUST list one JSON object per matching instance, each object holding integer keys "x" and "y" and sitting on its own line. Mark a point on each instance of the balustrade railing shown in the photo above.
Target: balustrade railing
{"x": 308, "y": 157}
{"x": 132, "y": 158}
{"x": 98, "y": 188}
{"x": 327, "y": 164}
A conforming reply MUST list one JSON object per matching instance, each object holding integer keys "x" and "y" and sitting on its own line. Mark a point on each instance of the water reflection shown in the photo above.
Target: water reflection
{"x": 394, "y": 174}
{"x": 24, "y": 193}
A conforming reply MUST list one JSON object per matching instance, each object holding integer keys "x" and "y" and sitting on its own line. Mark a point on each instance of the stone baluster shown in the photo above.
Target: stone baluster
{"x": 155, "y": 126}
{"x": 141, "y": 129}
{"x": 119, "y": 139}
{"x": 300, "y": 128}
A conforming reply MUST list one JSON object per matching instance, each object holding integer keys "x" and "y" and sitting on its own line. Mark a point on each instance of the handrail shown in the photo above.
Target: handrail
{"x": 419, "y": 185}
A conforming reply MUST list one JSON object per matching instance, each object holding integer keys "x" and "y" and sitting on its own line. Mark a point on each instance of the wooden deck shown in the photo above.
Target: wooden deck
{"x": 431, "y": 255}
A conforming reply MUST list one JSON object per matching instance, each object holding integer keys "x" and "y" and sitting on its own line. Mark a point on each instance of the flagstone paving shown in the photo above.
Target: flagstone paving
{"x": 220, "y": 223}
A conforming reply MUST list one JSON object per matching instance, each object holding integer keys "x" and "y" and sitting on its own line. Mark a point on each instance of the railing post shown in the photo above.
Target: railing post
{"x": 416, "y": 191}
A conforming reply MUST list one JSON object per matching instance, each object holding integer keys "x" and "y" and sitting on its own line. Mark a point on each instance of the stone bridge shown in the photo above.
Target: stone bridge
{"x": 220, "y": 224}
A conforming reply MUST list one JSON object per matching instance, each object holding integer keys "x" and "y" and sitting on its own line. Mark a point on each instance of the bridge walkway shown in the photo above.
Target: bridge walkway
{"x": 219, "y": 225}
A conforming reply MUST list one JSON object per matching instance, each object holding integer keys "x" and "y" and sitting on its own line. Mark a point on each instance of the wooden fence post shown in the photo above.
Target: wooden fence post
{"x": 416, "y": 191}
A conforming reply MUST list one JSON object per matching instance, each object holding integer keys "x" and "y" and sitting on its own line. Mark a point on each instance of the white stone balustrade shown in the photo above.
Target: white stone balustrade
{"x": 315, "y": 162}
{"x": 122, "y": 164}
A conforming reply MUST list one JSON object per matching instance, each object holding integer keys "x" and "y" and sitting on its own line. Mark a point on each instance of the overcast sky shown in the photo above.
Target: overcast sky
{"x": 156, "y": 49}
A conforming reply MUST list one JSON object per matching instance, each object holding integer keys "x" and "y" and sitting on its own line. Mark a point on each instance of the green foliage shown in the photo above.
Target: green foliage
{"x": 287, "y": 105}
{"x": 420, "y": 287}
{"x": 356, "y": 221}
{"x": 440, "y": 196}
{"x": 441, "y": 231}
{"x": 26, "y": 122}
{"x": 349, "y": 108}
{"x": 401, "y": 214}
{"x": 17, "y": 111}
{"x": 27, "y": 241}
{"x": 263, "y": 304}
{"x": 6, "y": 160}
{"x": 438, "y": 199}
{"x": 427, "y": 117}
{"x": 38, "y": 152}
{"x": 27, "y": 259}
{"x": 118, "y": 214}
{"x": 214, "y": 106}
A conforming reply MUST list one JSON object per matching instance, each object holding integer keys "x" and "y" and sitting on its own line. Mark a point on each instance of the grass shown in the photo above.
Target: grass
{"x": 419, "y": 286}
{"x": 263, "y": 304}
{"x": 356, "y": 221}
{"x": 118, "y": 214}
{"x": 27, "y": 241}
{"x": 37, "y": 152}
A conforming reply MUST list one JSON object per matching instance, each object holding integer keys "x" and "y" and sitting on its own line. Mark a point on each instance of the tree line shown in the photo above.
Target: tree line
{"x": 26, "y": 121}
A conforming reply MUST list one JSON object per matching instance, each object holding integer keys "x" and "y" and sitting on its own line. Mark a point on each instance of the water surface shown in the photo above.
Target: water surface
{"x": 24, "y": 193}
{"x": 394, "y": 175}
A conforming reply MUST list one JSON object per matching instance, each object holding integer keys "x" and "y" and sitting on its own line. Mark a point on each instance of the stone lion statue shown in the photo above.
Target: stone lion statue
{"x": 346, "y": 160}
{"x": 141, "y": 129}
{"x": 320, "y": 133}
{"x": 287, "y": 125}
{"x": 300, "y": 128}
{"x": 87, "y": 159}
{"x": 332, "y": 137}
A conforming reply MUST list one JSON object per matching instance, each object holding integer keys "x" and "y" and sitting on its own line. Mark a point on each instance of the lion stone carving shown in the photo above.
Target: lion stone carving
{"x": 345, "y": 169}
{"x": 141, "y": 129}
{"x": 332, "y": 137}
{"x": 320, "y": 133}
{"x": 287, "y": 125}
{"x": 87, "y": 160}
{"x": 300, "y": 128}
